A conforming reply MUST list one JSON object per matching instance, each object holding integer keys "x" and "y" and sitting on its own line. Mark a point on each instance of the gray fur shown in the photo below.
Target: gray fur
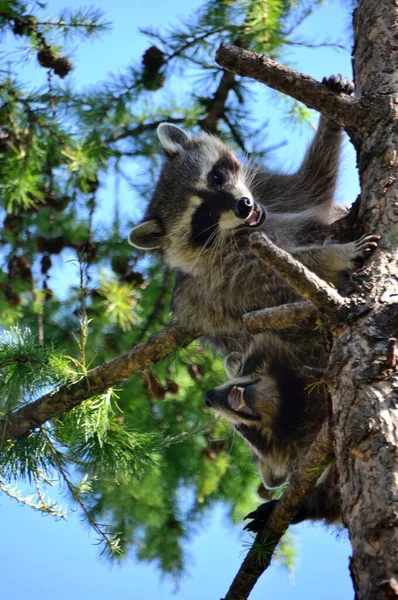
{"x": 220, "y": 279}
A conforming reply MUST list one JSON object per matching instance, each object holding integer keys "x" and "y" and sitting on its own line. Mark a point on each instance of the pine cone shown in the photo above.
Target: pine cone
{"x": 153, "y": 59}
{"x": 46, "y": 57}
{"x": 62, "y": 66}
{"x": 51, "y": 245}
{"x": 45, "y": 264}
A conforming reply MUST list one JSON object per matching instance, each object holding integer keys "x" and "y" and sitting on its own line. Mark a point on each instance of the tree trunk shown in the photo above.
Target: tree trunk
{"x": 365, "y": 386}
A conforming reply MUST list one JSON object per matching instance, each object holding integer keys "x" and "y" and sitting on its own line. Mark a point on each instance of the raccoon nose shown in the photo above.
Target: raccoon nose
{"x": 243, "y": 208}
{"x": 209, "y": 397}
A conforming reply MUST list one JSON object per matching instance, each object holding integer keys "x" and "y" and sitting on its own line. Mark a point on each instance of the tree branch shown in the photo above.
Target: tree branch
{"x": 339, "y": 107}
{"x": 96, "y": 381}
{"x": 304, "y": 281}
{"x": 142, "y": 127}
{"x": 302, "y": 483}
{"x": 216, "y": 106}
{"x": 278, "y": 317}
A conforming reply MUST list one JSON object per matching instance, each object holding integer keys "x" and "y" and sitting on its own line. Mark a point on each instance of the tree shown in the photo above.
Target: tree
{"x": 118, "y": 451}
{"x": 362, "y": 375}
{"x": 96, "y": 435}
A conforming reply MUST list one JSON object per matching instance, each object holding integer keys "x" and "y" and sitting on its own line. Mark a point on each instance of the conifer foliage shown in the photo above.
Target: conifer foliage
{"x": 145, "y": 458}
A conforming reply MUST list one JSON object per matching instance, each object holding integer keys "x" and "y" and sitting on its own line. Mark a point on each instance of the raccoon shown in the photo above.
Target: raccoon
{"x": 206, "y": 205}
{"x": 269, "y": 404}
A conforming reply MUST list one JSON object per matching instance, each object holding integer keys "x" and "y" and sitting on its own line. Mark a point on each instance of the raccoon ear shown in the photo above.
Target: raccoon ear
{"x": 173, "y": 138}
{"x": 147, "y": 235}
{"x": 232, "y": 364}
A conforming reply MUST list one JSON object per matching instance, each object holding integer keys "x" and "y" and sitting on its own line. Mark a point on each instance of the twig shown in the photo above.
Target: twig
{"x": 339, "y": 107}
{"x": 306, "y": 283}
{"x": 216, "y": 106}
{"x": 96, "y": 381}
{"x": 158, "y": 306}
{"x": 112, "y": 542}
{"x": 141, "y": 128}
{"x": 278, "y": 317}
{"x": 302, "y": 482}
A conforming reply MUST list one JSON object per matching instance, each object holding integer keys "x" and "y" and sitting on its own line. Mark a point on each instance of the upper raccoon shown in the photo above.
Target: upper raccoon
{"x": 268, "y": 402}
{"x": 203, "y": 210}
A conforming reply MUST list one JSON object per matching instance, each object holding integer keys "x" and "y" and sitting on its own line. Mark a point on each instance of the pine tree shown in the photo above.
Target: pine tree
{"x": 143, "y": 457}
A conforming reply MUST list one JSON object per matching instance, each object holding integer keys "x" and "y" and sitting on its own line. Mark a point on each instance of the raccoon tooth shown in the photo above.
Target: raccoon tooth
{"x": 235, "y": 398}
{"x": 241, "y": 391}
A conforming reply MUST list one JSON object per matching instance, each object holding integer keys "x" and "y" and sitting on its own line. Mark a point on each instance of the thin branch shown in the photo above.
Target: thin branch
{"x": 96, "y": 381}
{"x": 141, "y": 128}
{"x": 158, "y": 306}
{"x": 304, "y": 281}
{"x": 112, "y": 542}
{"x": 278, "y": 317}
{"x": 334, "y": 45}
{"x": 235, "y": 135}
{"x": 302, "y": 483}
{"x": 194, "y": 40}
{"x": 339, "y": 107}
{"x": 216, "y": 106}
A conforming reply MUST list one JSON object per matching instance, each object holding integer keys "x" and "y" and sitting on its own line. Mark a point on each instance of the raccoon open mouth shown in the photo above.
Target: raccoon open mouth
{"x": 236, "y": 400}
{"x": 256, "y": 217}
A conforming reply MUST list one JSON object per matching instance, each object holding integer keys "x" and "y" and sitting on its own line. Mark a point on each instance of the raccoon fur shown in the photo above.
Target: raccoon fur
{"x": 206, "y": 205}
{"x": 269, "y": 404}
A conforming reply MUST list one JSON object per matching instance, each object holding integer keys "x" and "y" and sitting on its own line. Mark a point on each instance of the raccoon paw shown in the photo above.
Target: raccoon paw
{"x": 260, "y": 516}
{"x": 363, "y": 247}
{"x": 339, "y": 84}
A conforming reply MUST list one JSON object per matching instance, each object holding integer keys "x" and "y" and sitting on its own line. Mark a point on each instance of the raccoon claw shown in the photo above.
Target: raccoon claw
{"x": 339, "y": 84}
{"x": 365, "y": 245}
{"x": 260, "y": 516}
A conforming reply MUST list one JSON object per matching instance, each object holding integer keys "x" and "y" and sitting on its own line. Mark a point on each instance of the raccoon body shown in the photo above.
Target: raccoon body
{"x": 203, "y": 210}
{"x": 269, "y": 404}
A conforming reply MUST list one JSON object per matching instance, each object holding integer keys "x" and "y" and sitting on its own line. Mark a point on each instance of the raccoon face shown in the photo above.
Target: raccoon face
{"x": 250, "y": 399}
{"x": 251, "y": 402}
{"x": 200, "y": 200}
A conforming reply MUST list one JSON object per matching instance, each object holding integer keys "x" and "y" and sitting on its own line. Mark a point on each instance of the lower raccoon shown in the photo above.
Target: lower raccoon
{"x": 268, "y": 402}
{"x": 206, "y": 205}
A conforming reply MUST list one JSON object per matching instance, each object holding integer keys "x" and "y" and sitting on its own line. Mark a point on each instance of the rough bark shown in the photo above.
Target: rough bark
{"x": 280, "y": 317}
{"x": 365, "y": 389}
{"x": 339, "y": 107}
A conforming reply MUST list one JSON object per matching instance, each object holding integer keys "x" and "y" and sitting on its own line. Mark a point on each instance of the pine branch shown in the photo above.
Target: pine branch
{"x": 339, "y": 107}
{"x": 142, "y": 127}
{"x": 216, "y": 106}
{"x": 305, "y": 282}
{"x": 96, "y": 381}
{"x": 302, "y": 483}
{"x": 279, "y": 317}
{"x": 43, "y": 505}
{"x": 111, "y": 542}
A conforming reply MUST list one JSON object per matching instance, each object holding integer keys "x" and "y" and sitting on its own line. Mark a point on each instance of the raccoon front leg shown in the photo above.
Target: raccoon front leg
{"x": 315, "y": 181}
{"x": 317, "y": 177}
{"x": 313, "y": 185}
{"x": 330, "y": 260}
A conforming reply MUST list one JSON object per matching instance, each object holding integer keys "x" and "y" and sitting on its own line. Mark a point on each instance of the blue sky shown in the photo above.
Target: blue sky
{"x": 44, "y": 559}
